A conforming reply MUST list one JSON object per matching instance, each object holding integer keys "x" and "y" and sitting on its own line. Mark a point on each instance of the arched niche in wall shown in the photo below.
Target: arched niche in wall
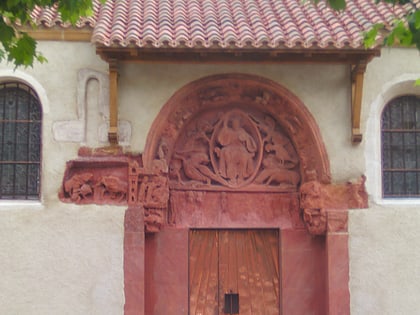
{"x": 259, "y": 104}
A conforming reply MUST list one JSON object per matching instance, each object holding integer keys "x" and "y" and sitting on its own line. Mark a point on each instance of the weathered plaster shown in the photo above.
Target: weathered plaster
{"x": 59, "y": 258}
{"x": 384, "y": 252}
{"x": 384, "y": 241}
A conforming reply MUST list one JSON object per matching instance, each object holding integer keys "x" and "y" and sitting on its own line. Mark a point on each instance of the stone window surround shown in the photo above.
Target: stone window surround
{"x": 399, "y": 86}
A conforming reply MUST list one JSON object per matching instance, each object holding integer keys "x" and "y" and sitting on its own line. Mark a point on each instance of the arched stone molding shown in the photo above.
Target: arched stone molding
{"x": 401, "y": 85}
{"x": 247, "y": 92}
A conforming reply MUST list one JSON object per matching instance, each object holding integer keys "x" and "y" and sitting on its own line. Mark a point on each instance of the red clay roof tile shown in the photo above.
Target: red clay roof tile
{"x": 228, "y": 23}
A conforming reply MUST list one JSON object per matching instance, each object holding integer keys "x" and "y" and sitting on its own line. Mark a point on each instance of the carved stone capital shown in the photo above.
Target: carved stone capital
{"x": 350, "y": 195}
{"x": 318, "y": 200}
{"x": 322, "y": 221}
{"x": 315, "y": 221}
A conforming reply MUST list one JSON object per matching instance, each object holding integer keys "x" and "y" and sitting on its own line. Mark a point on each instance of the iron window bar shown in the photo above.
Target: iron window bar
{"x": 400, "y": 130}
{"x": 20, "y": 142}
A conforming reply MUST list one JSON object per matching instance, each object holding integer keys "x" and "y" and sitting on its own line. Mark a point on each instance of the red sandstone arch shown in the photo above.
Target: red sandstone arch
{"x": 244, "y": 91}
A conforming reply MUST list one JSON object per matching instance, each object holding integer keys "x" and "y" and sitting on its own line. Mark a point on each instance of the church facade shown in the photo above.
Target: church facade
{"x": 147, "y": 171}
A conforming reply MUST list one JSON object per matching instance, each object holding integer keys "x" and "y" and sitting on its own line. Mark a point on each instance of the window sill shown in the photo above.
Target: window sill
{"x": 399, "y": 202}
{"x": 6, "y": 205}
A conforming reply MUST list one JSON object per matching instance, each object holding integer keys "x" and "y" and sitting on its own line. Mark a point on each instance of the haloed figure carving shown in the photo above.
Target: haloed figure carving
{"x": 237, "y": 151}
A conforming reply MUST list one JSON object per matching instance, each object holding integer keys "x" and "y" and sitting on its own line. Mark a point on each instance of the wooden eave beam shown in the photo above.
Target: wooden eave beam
{"x": 357, "y": 75}
{"x": 113, "y": 102}
{"x": 59, "y": 34}
{"x": 236, "y": 55}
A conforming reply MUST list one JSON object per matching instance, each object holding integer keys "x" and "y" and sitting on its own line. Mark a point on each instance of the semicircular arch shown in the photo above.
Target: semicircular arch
{"x": 248, "y": 93}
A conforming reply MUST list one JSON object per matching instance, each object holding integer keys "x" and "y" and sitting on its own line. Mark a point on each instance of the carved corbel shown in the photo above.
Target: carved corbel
{"x": 324, "y": 206}
{"x": 357, "y": 76}
{"x": 315, "y": 221}
{"x": 113, "y": 102}
{"x": 322, "y": 221}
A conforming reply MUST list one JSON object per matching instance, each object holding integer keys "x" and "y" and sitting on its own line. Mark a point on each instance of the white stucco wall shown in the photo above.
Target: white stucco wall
{"x": 58, "y": 258}
{"x": 384, "y": 242}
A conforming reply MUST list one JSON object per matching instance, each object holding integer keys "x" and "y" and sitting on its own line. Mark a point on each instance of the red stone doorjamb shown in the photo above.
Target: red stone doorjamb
{"x": 323, "y": 210}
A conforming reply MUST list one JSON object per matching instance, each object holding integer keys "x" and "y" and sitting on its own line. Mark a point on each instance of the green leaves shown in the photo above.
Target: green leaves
{"x": 18, "y": 47}
{"x": 370, "y": 36}
{"x": 404, "y": 32}
{"x": 23, "y": 51}
{"x": 72, "y": 10}
{"x": 337, "y": 4}
{"x": 400, "y": 34}
{"x": 7, "y": 33}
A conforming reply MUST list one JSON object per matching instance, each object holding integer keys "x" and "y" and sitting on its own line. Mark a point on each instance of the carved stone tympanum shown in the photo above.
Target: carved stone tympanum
{"x": 234, "y": 149}
{"x": 237, "y": 131}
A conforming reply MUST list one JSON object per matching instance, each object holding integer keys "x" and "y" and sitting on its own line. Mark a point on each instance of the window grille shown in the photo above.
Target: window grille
{"x": 20, "y": 142}
{"x": 400, "y": 133}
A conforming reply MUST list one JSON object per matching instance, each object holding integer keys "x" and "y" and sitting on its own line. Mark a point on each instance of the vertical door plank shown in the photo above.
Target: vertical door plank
{"x": 203, "y": 272}
{"x": 244, "y": 261}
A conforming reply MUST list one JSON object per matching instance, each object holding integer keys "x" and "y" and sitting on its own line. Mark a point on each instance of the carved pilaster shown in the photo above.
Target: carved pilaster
{"x": 149, "y": 188}
{"x": 337, "y": 221}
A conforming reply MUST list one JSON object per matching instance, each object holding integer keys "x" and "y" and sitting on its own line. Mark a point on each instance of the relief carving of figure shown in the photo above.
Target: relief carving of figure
{"x": 79, "y": 186}
{"x": 236, "y": 151}
{"x": 195, "y": 166}
{"x": 280, "y": 158}
{"x": 194, "y": 156}
{"x": 315, "y": 220}
{"x": 113, "y": 187}
{"x": 154, "y": 191}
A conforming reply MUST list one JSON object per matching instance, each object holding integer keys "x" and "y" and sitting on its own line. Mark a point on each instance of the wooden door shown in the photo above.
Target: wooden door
{"x": 234, "y": 261}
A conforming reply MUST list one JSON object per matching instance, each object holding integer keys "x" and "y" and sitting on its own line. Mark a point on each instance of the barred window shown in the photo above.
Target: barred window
{"x": 20, "y": 142}
{"x": 400, "y": 131}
